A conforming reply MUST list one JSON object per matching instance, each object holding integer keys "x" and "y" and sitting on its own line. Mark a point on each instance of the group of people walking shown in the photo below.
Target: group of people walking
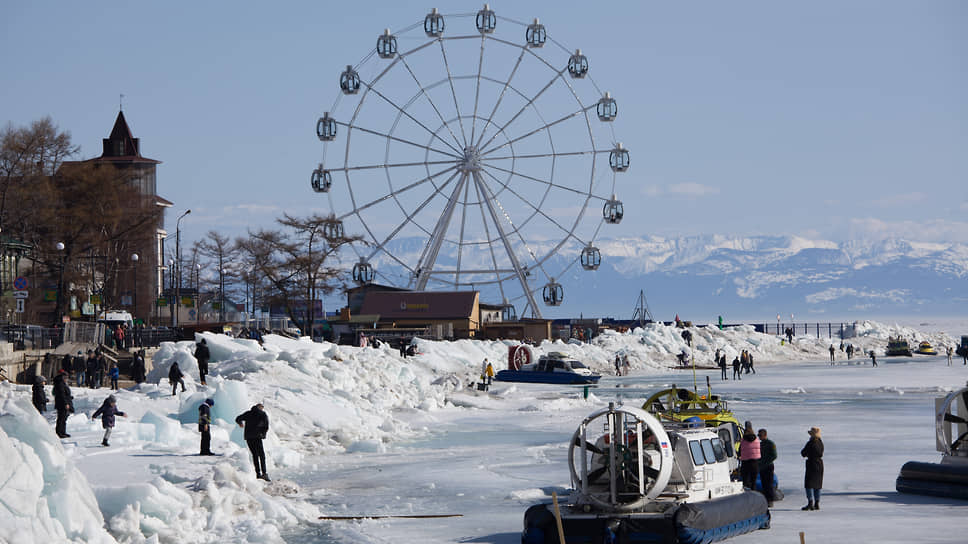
{"x": 742, "y": 363}
{"x": 757, "y": 454}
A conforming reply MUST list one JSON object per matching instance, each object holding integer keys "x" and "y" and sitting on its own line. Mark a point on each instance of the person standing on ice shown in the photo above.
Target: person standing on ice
{"x": 625, "y": 364}
{"x": 203, "y": 355}
{"x": 256, "y": 425}
{"x": 204, "y": 426}
{"x": 813, "y": 476}
{"x": 489, "y": 372}
{"x": 832, "y": 353}
{"x": 767, "y": 458}
{"x": 107, "y": 411}
{"x": 721, "y": 362}
{"x": 63, "y": 403}
{"x": 737, "y": 375}
{"x": 39, "y": 396}
{"x": 618, "y": 364}
{"x": 749, "y": 456}
{"x": 873, "y": 358}
{"x": 175, "y": 377}
{"x": 949, "y": 351}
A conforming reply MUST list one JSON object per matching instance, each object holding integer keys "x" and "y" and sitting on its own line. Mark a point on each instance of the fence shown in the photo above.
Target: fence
{"x": 830, "y": 330}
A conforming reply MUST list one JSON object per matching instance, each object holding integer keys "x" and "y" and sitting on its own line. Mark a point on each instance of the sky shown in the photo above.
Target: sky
{"x": 834, "y": 120}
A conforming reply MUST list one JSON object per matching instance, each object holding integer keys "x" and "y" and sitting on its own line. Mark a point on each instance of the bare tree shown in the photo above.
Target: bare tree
{"x": 221, "y": 253}
{"x": 293, "y": 262}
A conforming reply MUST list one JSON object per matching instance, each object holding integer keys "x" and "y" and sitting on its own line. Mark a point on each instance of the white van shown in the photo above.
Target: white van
{"x": 113, "y": 318}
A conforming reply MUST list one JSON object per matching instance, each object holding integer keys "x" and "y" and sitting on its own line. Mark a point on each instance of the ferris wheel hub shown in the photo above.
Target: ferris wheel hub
{"x": 471, "y": 161}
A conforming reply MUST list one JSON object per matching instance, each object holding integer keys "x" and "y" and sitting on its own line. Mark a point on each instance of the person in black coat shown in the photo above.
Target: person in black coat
{"x": 813, "y": 477}
{"x": 176, "y": 377}
{"x": 39, "y": 394}
{"x": 721, "y": 361}
{"x": 63, "y": 403}
{"x": 256, "y": 425}
{"x": 203, "y": 355}
{"x": 80, "y": 367}
{"x": 67, "y": 363}
{"x": 92, "y": 370}
{"x": 138, "y": 367}
{"x": 204, "y": 426}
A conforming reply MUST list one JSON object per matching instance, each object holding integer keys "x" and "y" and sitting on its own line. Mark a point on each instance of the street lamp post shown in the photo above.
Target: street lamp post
{"x": 60, "y": 282}
{"x": 174, "y": 319}
{"x": 171, "y": 291}
{"x": 134, "y": 265}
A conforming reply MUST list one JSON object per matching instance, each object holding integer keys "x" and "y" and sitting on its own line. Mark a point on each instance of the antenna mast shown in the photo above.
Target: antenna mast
{"x": 642, "y": 312}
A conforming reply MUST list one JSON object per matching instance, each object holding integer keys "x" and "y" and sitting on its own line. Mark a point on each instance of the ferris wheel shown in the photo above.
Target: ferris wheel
{"x": 472, "y": 151}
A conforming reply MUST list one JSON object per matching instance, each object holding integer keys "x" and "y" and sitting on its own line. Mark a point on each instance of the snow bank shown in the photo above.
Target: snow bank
{"x": 44, "y": 497}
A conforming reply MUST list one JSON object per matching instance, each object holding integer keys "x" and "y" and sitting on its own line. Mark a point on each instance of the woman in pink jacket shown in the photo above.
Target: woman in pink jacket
{"x": 749, "y": 456}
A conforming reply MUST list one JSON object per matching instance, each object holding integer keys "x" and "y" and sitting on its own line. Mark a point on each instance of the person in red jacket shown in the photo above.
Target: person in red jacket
{"x": 749, "y": 456}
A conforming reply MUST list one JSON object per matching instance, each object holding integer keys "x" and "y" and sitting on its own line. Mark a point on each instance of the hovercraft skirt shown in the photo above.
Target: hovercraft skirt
{"x": 934, "y": 479}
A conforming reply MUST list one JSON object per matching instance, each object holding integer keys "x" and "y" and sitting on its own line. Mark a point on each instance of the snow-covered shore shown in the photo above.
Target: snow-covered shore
{"x": 322, "y": 400}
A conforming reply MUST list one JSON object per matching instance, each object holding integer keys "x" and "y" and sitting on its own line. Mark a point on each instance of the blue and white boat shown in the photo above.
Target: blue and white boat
{"x": 553, "y": 367}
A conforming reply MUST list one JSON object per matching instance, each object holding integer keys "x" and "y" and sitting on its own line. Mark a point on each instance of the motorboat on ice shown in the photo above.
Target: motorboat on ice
{"x": 898, "y": 347}
{"x": 635, "y": 480}
{"x": 925, "y": 348}
{"x": 949, "y": 478}
{"x": 552, "y": 367}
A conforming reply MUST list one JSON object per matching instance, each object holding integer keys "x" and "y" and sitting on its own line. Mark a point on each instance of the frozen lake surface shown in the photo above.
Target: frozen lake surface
{"x": 503, "y": 451}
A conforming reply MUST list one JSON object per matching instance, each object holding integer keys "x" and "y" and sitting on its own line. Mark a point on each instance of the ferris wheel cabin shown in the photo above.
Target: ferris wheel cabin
{"x": 591, "y": 258}
{"x": 386, "y": 45}
{"x": 349, "y": 81}
{"x": 363, "y": 272}
{"x": 326, "y": 128}
{"x": 486, "y": 20}
{"x": 607, "y": 108}
{"x": 552, "y": 293}
{"x": 536, "y": 34}
{"x": 322, "y": 180}
{"x": 434, "y": 24}
{"x": 578, "y": 65}
{"x": 618, "y": 159}
{"x": 613, "y": 211}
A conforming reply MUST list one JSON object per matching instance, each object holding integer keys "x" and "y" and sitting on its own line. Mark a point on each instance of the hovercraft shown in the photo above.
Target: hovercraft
{"x": 949, "y": 478}
{"x": 898, "y": 347}
{"x": 639, "y": 482}
{"x": 554, "y": 367}
{"x": 925, "y": 348}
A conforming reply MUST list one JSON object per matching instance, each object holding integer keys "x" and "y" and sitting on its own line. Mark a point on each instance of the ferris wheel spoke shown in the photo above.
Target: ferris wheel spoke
{"x": 477, "y": 90}
{"x": 389, "y": 165}
{"x": 490, "y": 200}
{"x": 411, "y": 117}
{"x": 386, "y": 197}
{"x": 525, "y": 106}
{"x": 490, "y": 246}
{"x": 453, "y": 92}
{"x": 541, "y": 155}
{"x": 463, "y": 224}
{"x": 396, "y": 138}
{"x": 500, "y": 97}
{"x": 409, "y": 218}
{"x": 539, "y": 129}
{"x": 427, "y": 96}
{"x": 546, "y": 182}
{"x": 568, "y": 233}
{"x": 429, "y": 256}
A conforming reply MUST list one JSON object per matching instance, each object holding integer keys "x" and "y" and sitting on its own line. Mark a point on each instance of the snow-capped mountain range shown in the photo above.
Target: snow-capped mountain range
{"x": 757, "y": 277}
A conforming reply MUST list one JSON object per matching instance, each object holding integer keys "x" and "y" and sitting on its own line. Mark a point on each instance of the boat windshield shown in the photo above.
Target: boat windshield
{"x": 576, "y": 364}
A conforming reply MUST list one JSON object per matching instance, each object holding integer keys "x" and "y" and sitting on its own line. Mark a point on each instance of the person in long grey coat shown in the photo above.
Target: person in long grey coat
{"x": 813, "y": 476}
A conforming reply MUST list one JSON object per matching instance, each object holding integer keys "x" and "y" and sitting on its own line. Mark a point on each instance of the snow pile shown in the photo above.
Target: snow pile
{"x": 43, "y": 496}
